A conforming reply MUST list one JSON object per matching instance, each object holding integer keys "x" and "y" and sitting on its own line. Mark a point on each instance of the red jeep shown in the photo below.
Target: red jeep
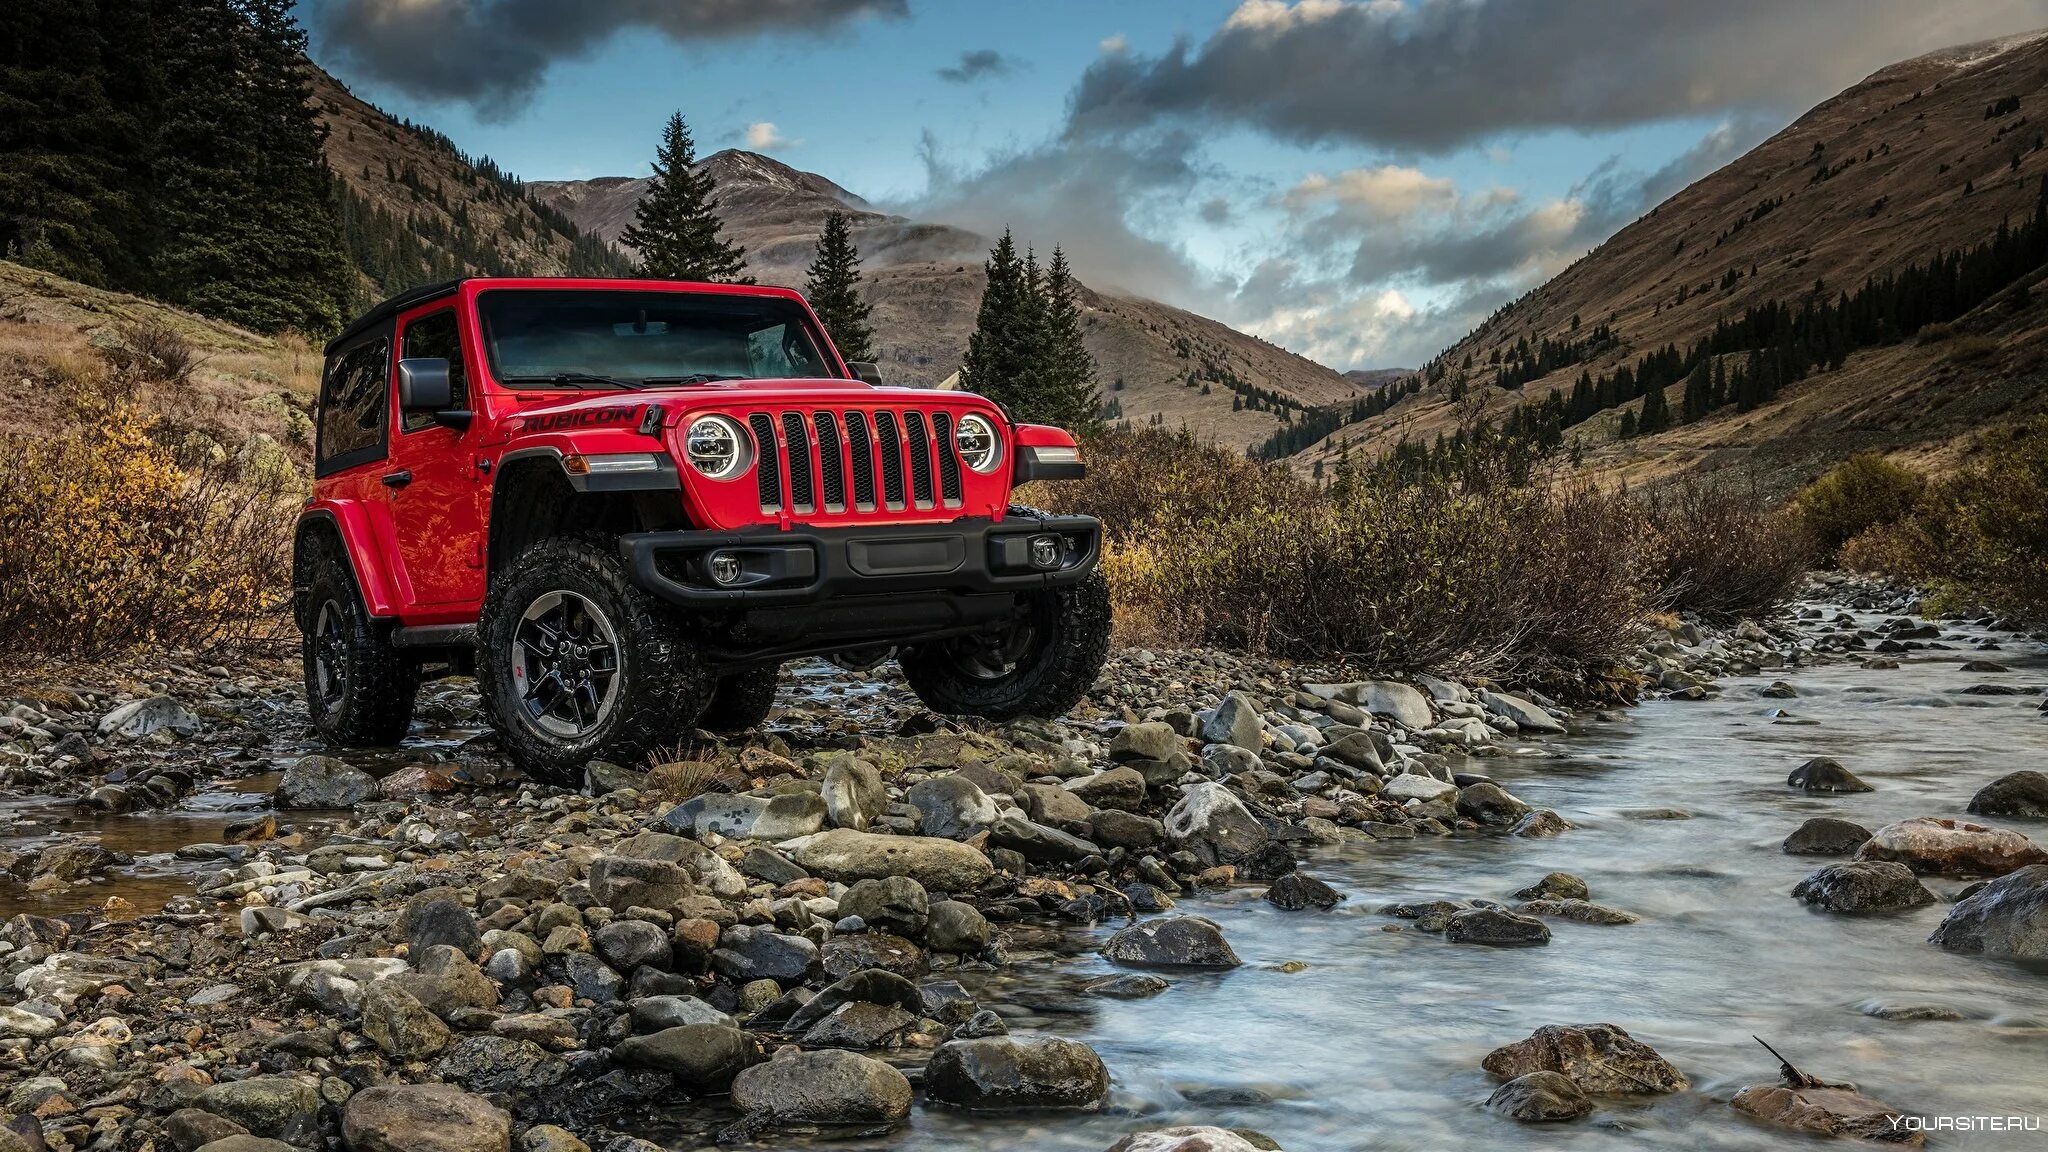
{"x": 622, "y": 504}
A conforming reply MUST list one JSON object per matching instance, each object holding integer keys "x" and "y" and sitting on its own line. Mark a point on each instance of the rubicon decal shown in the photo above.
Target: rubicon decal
{"x": 583, "y": 418}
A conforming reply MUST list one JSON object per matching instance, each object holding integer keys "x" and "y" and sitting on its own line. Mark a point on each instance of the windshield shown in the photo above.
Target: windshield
{"x": 626, "y": 339}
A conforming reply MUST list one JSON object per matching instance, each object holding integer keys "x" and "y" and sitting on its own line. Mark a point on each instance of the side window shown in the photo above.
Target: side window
{"x": 436, "y": 336}
{"x": 352, "y": 401}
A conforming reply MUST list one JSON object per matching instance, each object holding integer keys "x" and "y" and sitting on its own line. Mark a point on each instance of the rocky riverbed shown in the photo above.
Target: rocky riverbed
{"x": 1228, "y": 904}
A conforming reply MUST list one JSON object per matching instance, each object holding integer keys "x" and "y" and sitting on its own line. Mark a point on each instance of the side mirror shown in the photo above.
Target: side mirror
{"x": 423, "y": 386}
{"x": 866, "y": 370}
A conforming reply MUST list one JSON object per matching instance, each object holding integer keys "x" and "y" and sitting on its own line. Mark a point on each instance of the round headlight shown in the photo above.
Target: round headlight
{"x": 980, "y": 448}
{"x": 717, "y": 447}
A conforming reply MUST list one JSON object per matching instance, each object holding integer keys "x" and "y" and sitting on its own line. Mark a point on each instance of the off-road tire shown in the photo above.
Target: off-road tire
{"x": 372, "y": 703}
{"x": 742, "y": 700}
{"x": 1068, "y": 652}
{"x": 661, "y": 681}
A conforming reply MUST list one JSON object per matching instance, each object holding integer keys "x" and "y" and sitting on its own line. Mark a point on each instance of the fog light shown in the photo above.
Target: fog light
{"x": 724, "y": 568}
{"x": 1045, "y": 551}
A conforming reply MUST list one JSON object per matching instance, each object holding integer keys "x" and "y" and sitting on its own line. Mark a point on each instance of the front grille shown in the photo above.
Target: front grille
{"x": 884, "y": 460}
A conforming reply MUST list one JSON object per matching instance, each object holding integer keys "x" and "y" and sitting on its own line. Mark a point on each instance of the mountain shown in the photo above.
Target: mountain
{"x": 1926, "y": 157}
{"x": 1156, "y": 363}
{"x": 1373, "y": 379}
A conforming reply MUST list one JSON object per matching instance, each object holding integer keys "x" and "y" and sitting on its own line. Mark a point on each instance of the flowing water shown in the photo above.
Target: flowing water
{"x": 1339, "y": 1033}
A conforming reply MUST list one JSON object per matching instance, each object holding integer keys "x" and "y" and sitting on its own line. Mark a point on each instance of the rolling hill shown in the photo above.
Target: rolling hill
{"x": 1932, "y": 155}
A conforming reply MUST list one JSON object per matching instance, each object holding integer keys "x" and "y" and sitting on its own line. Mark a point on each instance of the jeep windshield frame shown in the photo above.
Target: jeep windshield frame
{"x": 553, "y": 339}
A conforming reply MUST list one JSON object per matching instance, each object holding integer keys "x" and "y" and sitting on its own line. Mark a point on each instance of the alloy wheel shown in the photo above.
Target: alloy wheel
{"x": 330, "y": 656}
{"x": 565, "y": 665}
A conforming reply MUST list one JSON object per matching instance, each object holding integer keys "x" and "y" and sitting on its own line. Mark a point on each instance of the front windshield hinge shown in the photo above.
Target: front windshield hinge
{"x": 650, "y": 421}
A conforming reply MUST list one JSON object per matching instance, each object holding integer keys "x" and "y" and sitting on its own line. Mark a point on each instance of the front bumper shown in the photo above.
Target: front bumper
{"x": 769, "y": 566}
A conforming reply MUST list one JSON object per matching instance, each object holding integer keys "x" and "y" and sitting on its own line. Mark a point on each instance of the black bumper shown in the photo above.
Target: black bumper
{"x": 808, "y": 565}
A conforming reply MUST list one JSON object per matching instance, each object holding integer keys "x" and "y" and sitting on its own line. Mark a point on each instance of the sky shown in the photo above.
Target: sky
{"x": 1360, "y": 181}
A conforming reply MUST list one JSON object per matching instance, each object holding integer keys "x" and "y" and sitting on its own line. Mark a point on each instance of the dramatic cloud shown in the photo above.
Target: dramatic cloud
{"x": 1433, "y": 75}
{"x": 763, "y": 136}
{"x": 494, "y": 53}
{"x": 980, "y": 64}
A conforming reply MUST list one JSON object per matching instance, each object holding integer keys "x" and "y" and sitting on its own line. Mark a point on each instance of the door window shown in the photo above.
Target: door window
{"x": 352, "y": 402}
{"x": 436, "y": 336}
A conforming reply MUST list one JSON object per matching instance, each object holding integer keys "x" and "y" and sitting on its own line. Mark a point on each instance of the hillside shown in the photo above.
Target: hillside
{"x": 1925, "y": 156}
{"x": 1156, "y": 363}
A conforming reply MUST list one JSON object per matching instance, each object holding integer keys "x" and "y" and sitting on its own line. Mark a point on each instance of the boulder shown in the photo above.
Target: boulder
{"x": 956, "y": 927}
{"x": 443, "y": 921}
{"x": 423, "y": 1118}
{"x": 323, "y": 782}
{"x": 1490, "y": 805}
{"x": 1171, "y": 942}
{"x": 140, "y": 718}
{"x": 703, "y": 1058}
{"x": 1038, "y": 843}
{"x": 1540, "y": 1097}
{"x": 1357, "y": 750}
{"x": 280, "y": 1107}
{"x": 1556, "y": 886}
{"x": 953, "y": 806}
{"x": 654, "y": 1013}
{"x": 1407, "y": 706}
{"x": 895, "y": 904}
{"x": 1186, "y": 1138}
{"x": 751, "y": 815}
{"x": 1863, "y": 886}
{"x": 1297, "y": 890}
{"x": 1416, "y": 786}
{"x": 1235, "y": 722}
{"x": 2006, "y": 917}
{"x": 1827, "y": 1111}
{"x": 494, "y": 1064}
{"x": 859, "y": 1026}
{"x": 1211, "y": 822}
{"x": 396, "y": 1022}
{"x": 706, "y": 867}
{"x": 1001, "y": 1073}
{"x": 847, "y": 953}
{"x": 868, "y": 986}
{"x": 1122, "y": 788}
{"x": 1825, "y": 774}
{"x": 622, "y": 882}
{"x": 853, "y": 792}
{"x": 1542, "y": 824}
{"x": 1825, "y": 836}
{"x": 1580, "y": 911}
{"x": 1527, "y": 716}
{"x": 628, "y": 944}
{"x": 1114, "y": 829}
{"x": 1600, "y": 1058}
{"x": 845, "y": 855}
{"x": 1497, "y": 927}
{"x": 1939, "y": 847}
{"x": 2023, "y": 793}
{"x": 827, "y": 1087}
{"x": 749, "y": 952}
{"x": 1148, "y": 741}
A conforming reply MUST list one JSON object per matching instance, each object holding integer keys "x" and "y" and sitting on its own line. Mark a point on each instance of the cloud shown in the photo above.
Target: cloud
{"x": 1114, "y": 45}
{"x": 1435, "y": 75}
{"x": 980, "y": 64}
{"x": 762, "y": 136}
{"x": 1388, "y": 192}
{"x": 495, "y": 53}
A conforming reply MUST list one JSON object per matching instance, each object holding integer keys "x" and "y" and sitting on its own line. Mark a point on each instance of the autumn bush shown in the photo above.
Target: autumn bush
{"x": 1863, "y": 492}
{"x": 109, "y": 542}
{"x": 1719, "y": 548}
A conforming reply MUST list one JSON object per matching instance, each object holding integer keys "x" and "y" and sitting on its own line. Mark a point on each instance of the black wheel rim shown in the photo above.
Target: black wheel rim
{"x": 330, "y": 655}
{"x": 565, "y": 665}
{"x": 993, "y": 655}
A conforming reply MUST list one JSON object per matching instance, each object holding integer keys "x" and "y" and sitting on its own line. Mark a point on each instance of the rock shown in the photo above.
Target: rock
{"x": 1581, "y": 911}
{"x": 447, "y": 982}
{"x": 1556, "y": 886}
{"x": 750, "y": 952}
{"x": 845, "y": 954}
{"x": 868, "y": 986}
{"x": 1495, "y": 926}
{"x": 396, "y": 1022}
{"x": 1129, "y": 986}
{"x": 1114, "y": 829}
{"x": 628, "y": 944}
{"x": 1827, "y": 1112}
{"x": 323, "y": 782}
{"x": 443, "y": 921}
{"x": 1039, "y": 843}
{"x": 591, "y": 978}
{"x": 703, "y": 865}
{"x": 1148, "y": 741}
{"x": 895, "y": 904}
{"x": 1825, "y": 774}
{"x": 72, "y": 860}
{"x": 750, "y": 816}
{"x": 1171, "y": 942}
{"x": 246, "y": 1143}
{"x": 845, "y": 855}
{"x": 654, "y": 1013}
{"x": 1120, "y": 788}
{"x": 859, "y": 1026}
{"x": 1297, "y": 890}
{"x": 193, "y": 1128}
{"x": 2023, "y": 793}
{"x": 1053, "y": 805}
{"x": 140, "y": 718}
{"x": 1002, "y": 1073}
{"x": 1540, "y": 1097}
{"x": 496, "y": 1064}
{"x": 622, "y": 882}
{"x": 1825, "y": 836}
{"x": 1357, "y": 750}
{"x": 1951, "y": 848}
{"x": 828, "y": 1087}
{"x": 1527, "y": 716}
{"x": 1415, "y": 786}
{"x": 956, "y": 927}
{"x": 953, "y": 806}
{"x": 1214, "y": 824}
{"x": 702, "y": 1057}
{"x": 280, "y": 1107}
{"x": 1490, "y": 805}
{"x": 22, "y": 1024}
{"x": 550, "y": 1138}
{"x": 603, "y": 776}
{"x": 1186, "y": 1138}
{"x": 1542, "y": 824}
{"x": 853, "y": 792}
{"x": 423, "y": 1118}
{"x": 1601, "y": 1059}
{"x": 1863, "y": 886}
{"x": 1407, "y": 706}
{"x": 1235, "y": 722}
{"x": 2006, "y": 917}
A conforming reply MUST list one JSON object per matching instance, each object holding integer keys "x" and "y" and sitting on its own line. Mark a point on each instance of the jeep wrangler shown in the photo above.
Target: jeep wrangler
{"x": 623, "y": 504}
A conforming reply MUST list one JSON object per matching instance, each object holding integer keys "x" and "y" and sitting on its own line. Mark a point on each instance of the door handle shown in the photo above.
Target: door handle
{"x": 398, "y": 479}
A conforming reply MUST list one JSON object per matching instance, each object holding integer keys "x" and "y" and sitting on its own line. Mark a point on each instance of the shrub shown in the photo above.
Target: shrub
{"x": 154, "y": 351}
{"x": 1719, "y": 549}
{"x": 1861, "y": 493}
{"x": 107, "y": 543}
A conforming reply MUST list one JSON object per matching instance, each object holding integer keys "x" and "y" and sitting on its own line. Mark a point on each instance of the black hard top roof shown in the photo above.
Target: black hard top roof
{"x": 392, "y": 307}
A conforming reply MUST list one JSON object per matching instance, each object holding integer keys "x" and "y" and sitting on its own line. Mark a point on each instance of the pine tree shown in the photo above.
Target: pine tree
{"x": 1002, "y": 350}
{"x": 1656, "y": 415}
{"x": 676, "y": 229}
{"x": 1067, "y": 393}
{"x": 833, "y": 284}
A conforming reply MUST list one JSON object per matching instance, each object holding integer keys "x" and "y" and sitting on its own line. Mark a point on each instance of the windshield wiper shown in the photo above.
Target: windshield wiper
{"x": 578, "y": 378}
{"x": 692, "y": 378}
